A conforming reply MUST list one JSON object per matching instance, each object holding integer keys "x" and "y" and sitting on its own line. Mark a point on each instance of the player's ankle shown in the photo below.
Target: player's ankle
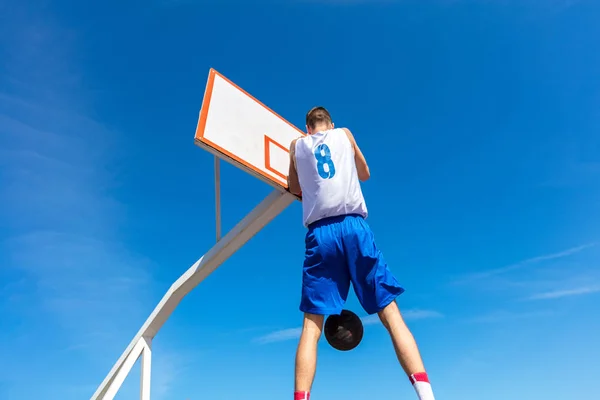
{"x": 419, "y": 377}
{"x": 420, "y": 382}
{"x": 301, "y": 395}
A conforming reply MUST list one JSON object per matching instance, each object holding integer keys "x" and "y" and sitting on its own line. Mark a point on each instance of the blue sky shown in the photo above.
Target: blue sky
{"x": 479, "y": 120}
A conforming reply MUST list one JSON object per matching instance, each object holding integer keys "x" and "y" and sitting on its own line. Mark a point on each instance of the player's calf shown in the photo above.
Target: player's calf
{"x": 306, "y": 355}
{"x": 406, "y": 350}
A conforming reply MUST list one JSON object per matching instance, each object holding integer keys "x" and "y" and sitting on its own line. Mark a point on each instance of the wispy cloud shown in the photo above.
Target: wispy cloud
{"x": 294, "y": 333}
{"x": 502, "y": 316}
{"x": 421, "y": 314}
{"x": 63, "y": 250}
{"x": 279, "y": 336}
{"x": 65, "y": 269}
{"x": 408, "y": 315}
{"x": 524, "y": 263}
{"x": 556, "y": 294}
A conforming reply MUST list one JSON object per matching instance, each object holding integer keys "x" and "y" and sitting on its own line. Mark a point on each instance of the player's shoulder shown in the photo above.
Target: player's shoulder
{"x": 293, "y": 142}
{"x": 348, "y": 133}
{"x": 293, "y": 146}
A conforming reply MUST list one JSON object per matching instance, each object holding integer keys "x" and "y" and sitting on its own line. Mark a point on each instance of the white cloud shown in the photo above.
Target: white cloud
{"x": 408, "y": 315}
{"x": 502, "y": 316}
{"x": 524, "y": 263}
{"x": 63, "y": 247}
{"x": 556, "y": 294}
{"x": 279, "y": 336}
{"x": 66, "y": 271}
{"x": 371, "y": 319}
{"x": 294, "y": 333}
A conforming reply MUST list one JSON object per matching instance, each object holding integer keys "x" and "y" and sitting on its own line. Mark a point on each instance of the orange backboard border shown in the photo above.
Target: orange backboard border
{"x": 221, "y": 152}
{"x": 268, "y": 166}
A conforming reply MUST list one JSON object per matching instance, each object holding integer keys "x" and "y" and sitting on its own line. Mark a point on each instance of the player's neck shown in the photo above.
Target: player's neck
{"x": 320, "y": 128}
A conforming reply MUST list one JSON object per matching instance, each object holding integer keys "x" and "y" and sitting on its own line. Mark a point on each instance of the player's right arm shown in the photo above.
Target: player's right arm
{"x": 359, "y": 159}
{"x": 292, "y": 179}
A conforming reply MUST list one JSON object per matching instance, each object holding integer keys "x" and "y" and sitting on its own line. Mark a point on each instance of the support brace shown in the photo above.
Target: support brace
{"x": 264, "y": 213}
{"x": 124, "y": 370}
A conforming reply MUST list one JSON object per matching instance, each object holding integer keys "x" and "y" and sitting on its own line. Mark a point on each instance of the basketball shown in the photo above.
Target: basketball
{"x": 345, "y": 331}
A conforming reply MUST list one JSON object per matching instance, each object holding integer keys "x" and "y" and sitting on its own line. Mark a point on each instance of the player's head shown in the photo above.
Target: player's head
{"x": 318, "y": 119}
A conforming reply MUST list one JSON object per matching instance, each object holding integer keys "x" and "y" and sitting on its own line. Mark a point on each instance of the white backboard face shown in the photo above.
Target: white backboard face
{"x": 240, "y": 129}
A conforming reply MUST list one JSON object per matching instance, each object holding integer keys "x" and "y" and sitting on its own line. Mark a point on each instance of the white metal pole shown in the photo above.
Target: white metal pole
{"x": 118, "y": 380}
{"x": 218, "y": 196}
{"x": 146, "y": 368}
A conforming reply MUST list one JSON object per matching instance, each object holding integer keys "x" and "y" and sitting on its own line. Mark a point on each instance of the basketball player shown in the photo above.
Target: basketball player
{"x": 325, "y": 169}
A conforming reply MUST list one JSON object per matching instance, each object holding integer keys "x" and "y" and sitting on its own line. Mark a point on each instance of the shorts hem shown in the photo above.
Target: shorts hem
{"x": 386, "y": 302}
{"x": 321, "y": 311}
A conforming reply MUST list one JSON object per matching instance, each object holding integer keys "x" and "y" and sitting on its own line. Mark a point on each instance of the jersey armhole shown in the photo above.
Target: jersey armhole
{"x": 349, "y": 141}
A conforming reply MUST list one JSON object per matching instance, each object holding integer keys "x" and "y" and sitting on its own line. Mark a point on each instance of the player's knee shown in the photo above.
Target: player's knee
{"x": 313, "y": 326}
{"x": 390, "y": 315}
{"x": 384, "y": 320}
{"x": 311, "y": 335}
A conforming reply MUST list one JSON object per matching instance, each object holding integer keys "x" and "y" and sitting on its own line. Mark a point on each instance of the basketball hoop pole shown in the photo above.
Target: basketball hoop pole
{"x": 257, "y": 219}
{"x": 218, "y": 197}
{"x": 254, "y": 139}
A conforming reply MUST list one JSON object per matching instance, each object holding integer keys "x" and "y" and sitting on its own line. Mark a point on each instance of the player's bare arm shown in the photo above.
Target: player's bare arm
{"x": 361, "y": 163}
{"x": 292, "y": 179}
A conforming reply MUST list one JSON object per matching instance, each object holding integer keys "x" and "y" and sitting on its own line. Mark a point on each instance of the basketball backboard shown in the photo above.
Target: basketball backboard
{"x": 238, "y": 128}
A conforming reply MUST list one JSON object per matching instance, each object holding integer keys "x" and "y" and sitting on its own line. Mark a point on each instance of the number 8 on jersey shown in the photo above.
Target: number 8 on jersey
{"x": 323, "y": 156}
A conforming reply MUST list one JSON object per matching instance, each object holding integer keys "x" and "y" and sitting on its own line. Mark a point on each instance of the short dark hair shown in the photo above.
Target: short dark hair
{"x": 317, "y": 116}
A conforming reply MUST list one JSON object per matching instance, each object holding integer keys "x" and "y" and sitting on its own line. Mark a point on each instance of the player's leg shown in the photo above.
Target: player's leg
{"x": 325, "y": 286}
{"x": 406, "y": 349}
{"x": 306, "y": 355}
{"x": 377, "y": 289}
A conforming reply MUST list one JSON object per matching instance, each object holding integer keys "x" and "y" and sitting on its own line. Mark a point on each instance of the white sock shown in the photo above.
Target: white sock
{"x": 420, "y": 382}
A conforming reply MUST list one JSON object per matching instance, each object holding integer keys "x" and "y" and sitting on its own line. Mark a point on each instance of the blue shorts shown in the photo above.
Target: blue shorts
{"x": 340, "y": 250}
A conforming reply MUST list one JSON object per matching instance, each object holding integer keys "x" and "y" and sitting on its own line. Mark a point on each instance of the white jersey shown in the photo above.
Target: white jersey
{"x": 327, "y": 176}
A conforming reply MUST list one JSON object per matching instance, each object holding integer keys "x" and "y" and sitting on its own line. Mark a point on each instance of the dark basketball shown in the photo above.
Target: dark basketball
{"x": 345, "y": 331}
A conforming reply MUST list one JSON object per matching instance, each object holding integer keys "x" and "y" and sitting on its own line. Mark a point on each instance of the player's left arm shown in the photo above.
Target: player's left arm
{"x": 292, "y": 179}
